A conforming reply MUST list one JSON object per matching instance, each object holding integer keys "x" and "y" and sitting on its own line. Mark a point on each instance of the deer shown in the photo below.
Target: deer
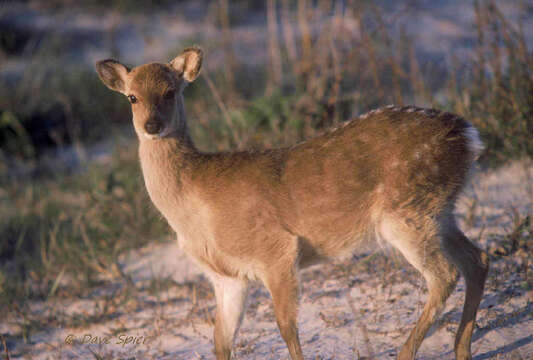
{"x": 389, "y": 176}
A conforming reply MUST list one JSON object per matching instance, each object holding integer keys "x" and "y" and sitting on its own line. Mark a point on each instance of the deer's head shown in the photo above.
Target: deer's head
{"x": 154, "y": 91}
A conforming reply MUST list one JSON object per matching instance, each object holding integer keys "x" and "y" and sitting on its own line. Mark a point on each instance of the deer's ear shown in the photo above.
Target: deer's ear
{"x": 188, "y": 63}
{"x": 113, "y": 74}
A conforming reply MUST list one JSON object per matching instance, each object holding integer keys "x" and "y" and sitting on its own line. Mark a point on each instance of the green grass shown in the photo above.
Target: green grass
{"x": 73, "y": 227}
{"x": 56, "y": 105}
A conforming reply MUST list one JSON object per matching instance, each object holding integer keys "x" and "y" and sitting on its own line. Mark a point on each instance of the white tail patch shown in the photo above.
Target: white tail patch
{"x": 475, "y": 145}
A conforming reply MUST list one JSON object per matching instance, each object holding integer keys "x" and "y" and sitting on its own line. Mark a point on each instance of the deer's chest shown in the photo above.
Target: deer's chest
{"x": 188, "y": 215}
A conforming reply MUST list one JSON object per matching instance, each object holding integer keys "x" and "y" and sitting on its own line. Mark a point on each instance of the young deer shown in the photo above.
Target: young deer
{"x": 392, "y": 174}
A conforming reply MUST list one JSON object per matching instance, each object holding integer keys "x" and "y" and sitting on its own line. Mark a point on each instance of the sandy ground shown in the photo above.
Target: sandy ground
{"x": 361, "y": 307}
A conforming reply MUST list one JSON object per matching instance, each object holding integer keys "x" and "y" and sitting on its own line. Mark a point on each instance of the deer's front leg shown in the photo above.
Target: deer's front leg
{"x": 284, "y": 288}
{"x": 231, "y": 297}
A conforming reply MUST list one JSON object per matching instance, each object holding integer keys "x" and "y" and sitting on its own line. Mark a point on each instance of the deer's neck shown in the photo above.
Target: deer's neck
{"x": 181, "y": 130}
{"x": 166, "y": 163}
{"x": 165, "y": 160}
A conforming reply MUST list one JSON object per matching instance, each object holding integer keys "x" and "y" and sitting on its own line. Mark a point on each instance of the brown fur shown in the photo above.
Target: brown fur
{"x": 393, "y": 173}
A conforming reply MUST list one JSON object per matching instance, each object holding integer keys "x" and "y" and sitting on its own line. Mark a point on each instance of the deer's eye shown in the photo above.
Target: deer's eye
{"x": 169, "y": 94}
{"x": 132, "y": 99}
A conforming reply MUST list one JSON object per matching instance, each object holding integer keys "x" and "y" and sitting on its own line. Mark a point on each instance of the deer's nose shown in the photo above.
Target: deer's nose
{"x": 152, "y": 127}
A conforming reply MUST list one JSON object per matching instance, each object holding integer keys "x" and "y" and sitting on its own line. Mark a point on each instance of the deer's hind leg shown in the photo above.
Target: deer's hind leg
{"x": 473, "y": 264}
{"x": 421, "y": 245}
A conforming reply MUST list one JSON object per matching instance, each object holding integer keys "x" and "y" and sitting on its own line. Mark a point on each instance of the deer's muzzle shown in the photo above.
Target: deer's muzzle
{"x": 153, "y": 127}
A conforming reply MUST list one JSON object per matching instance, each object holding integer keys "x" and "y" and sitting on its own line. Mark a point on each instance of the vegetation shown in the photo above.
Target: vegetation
{"x": 496, "y": 92}
{"x": 73, "y": 228}
{"x": 53, "y": 105}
